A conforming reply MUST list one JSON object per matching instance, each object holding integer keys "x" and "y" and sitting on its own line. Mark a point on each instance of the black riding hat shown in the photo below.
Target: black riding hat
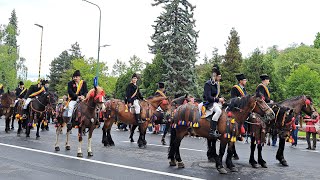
{"x": 216, "y": 69}
{"x": 240, "y": 77}
{"x": 76, "y": 73}
{"x": 161, "y": 85}
{"x": 264, "y": 77}
{"x": 21, "y": 83}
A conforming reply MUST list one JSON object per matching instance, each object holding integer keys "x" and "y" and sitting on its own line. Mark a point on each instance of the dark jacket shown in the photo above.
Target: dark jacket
{"x": 72, "y": 89}
{"x": 260, "y": 89}
{"x": 210, "y": 92}
{"x": 1, "y": 91}
{"x": 131, "y": 89}
{"x": 33, "y": 88}
{"x": 19, "y": 94}
{"x": 236, "y": 93}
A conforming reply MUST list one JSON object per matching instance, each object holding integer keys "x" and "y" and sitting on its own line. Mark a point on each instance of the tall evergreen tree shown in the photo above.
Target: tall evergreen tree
{"x": 119, "y": 68}
{"x": 136, "y": 64}
{"x": 232, "y": 62}
{"x": 316, "y": 42}
{"x": 176, "y": 40}
{"x": 12, "y": 31}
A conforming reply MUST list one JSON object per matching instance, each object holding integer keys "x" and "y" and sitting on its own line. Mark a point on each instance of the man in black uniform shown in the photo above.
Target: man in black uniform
{"x": 133, "y": 96}
{"x": 213, "y": 101}
{"x": 21, "y": 91}
{"x": 239, "y": 90}
{"x": 33, "y": 91}
{"x": 263, "y": 89}
{"x": 77, "y": 91}
{"x": 1, "y": 89}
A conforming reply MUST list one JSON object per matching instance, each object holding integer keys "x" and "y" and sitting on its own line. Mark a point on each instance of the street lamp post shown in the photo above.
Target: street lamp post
{"x": 97, "y": 73}
{"x": 40, "y": 46}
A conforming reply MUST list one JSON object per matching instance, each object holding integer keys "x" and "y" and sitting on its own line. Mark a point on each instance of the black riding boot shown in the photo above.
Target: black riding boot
{"x": 213, "y": 132}
{"x": 138, "y": 118}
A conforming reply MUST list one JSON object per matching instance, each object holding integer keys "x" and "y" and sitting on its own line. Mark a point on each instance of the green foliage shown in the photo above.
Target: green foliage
{"x": 119, "y": 68}
{"x": 231, "y": 64}
{"x": 121, "y": 85}
{"x": 176, "y": 40}
{"x": 12, "y": 31}
{"x": 305, "y": 81}
{"x": 8, "y": 72}
{"x": 316, "y": 42}
{"x": 135, "y": 64}
{"x": 152, "y": 74}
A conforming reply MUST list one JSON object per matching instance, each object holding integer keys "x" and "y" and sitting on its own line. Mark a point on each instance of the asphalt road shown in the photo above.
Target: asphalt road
{"x": 22, "y": 158}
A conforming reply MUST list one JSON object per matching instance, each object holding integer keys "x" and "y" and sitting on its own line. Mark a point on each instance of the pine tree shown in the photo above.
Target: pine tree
{"x": 136, "y": 64}
{"x": 12, "y": 31}
{"x": 316, "y": 42}
{"x": 231, "y": 64}
{"x": 176, "y": 40}
{"x": 119, "y": 68}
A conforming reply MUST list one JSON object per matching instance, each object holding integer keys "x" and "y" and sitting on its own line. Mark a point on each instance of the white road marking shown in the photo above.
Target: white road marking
{"x": 306, "y": 150}
{"x": 104, "y": 163}
{"x": 198, "y": 150}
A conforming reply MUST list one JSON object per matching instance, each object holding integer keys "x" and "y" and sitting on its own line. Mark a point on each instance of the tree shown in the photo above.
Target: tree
{"x": 176, "y": 40}
{"x": 12, "y": 31}
{"x": 21, "y": 69}
{"x": 136, "y": 64}
{"x": 121, "y": 84}
{"x": 232, "y": 63}
{"x": 305, "y": 81}
{"x": 316, "y": 42}
{"x": 75, "y": 51}
{"x": 119, "y": 68}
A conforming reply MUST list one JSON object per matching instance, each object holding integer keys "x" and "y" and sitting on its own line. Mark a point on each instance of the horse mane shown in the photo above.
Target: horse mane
{"x": 238, "y": 103}
{"x": 295, "y": 98}
{"x": 92, "y": 92}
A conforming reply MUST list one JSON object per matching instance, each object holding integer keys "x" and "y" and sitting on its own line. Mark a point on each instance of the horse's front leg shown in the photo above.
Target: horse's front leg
{"x": 7, "y": 129}
{"x": 89, "y": 150}
{"x": 104, "y": 136}
{"x": 229, "y": 162}
{"x": 133, "y": 127}
{"x": 56, "y": 145}
{"x": 211, "y": 153}
{"x": 80, "y": 130}
{"x": 140, "y": 140}
{"x": 260, "y": 159}
{"x": 109, "y": 137}
{"x": 69, "y": 128}
{"x": 219, "y": 166}
{"x": 280, "y": 156}
{"x": 38, "y": 127}
{"x": 19, "y": 127}
{"x": 252, "y": 160}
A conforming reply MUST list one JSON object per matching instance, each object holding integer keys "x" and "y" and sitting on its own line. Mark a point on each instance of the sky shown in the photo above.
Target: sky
{"x": 126, "y": 25}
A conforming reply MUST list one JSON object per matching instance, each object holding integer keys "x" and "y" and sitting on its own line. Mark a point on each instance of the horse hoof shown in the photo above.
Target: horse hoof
{"x": 67, "y": 148}
{"x": 90, "y": 154}
{"x": 7, "y": 131}
{"x": 264, "y": 165}
{"x": 112, "y": 144}
{"x": 12, "y": 128}
{"x": 236, "y": 157}
{"x": 172, "y": 163}
{"x": 284, "y": 163}
{"x": 234, "y": 169}
{"x": 79, "y": 155}
{"x": 211, "y": 160}
{"x": 222, "y": 171}
{"x": 254, "y": 165}
{"x": 131, "y": 140}
{"x": 57, "y": 148}
{"x": 38, "y": 137}
{"x": 180, "y": 164}
{"x": 163, "y": 142}
{"x": 27, "y": 136}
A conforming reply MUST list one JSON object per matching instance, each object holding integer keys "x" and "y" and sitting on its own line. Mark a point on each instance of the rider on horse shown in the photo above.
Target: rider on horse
{"x": 263, "y": 89}
{"x": 212, "y": 99}
{"x": 77, "y": 90}
{"x": 34, "y": 90}
{"x": 239, "y": 90}
{"x": 20, "y": 92}
{"x": 1, "y": 89}
{"x": 133, "y": 96}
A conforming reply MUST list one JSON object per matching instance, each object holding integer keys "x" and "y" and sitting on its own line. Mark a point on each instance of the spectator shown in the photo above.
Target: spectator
{"x": 310, "y": 129}
{"x": 295, "y": 131}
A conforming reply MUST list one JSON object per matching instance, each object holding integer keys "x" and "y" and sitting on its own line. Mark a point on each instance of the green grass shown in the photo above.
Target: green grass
{"x": 303, "y": 134}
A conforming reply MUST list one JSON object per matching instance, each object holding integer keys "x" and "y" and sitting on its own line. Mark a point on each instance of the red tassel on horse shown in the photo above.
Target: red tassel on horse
{"x": 242, "y": 130}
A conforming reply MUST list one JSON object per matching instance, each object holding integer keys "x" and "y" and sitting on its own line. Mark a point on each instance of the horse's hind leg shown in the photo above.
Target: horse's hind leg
{"x": 280, "y": 156}
{"x": 230, "y": 153}
{"x": 89, "y": 150}
{"x": 252, "y": 161}
{"x": 80, "y": 130}
{"x": 133, "y": 127}
{"x": 260, "y": 159}
{"x": 56, "y": 145}
{"x": 172, "y": 148}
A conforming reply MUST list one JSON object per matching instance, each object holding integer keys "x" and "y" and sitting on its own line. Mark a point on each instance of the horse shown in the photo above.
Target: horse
{"x": 18, "y": 115}
{"x": 188, "y": 115}
{"x": 282, "y": 122}
{"x": 37, "y": 110}
{"x": 118, "y": 111}
{"x": 300, "y": 104}
{"x": 85, "y": 116}
{"x": 6, "y": 107}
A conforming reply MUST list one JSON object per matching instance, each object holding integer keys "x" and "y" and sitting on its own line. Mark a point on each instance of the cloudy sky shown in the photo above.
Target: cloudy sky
{"x": 126, "y": 26}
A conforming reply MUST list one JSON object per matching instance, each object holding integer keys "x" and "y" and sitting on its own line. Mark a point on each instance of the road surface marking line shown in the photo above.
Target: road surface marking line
{"x": 199, "y": 150}
{"x": 309, "y": 151}
{"x": 104, "y": 163}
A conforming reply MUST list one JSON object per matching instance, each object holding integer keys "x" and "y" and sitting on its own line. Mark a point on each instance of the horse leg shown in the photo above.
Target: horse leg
{"x": 143, "y": 131}
{"x": 19, "y": 127}
{"x": 235, "y": 154}
{"x": 133, "y": 127}
{"x": 27, "y": 127}
{"x": 109, "y": 138}
{"x": 163, "y": 139}
{"x": 38, "y": 127}
{"x": 68, "y": 135}
{"x": 89, "y": 150}
{"x": 172, "y": 148}
{"x": 56, "y": 145}
{"x": 104, "y": 137}
{"x": 280, "y": 156}
{"x": 80, "y": 130}
{"x": 210, "y": 153}
{"x": 178, "y": 157}
{"x": 12, "y": 120}
{"x": 140, "y": 140}
{"x": 252, "y": 161}
{"x": 260, "y": 159}
{"x": 7, "y": 123}
{"x": 222, "y": 150}
{"x": 229, "y": 162}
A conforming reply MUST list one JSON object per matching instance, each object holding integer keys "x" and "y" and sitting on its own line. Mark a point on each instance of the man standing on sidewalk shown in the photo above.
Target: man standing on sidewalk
{"x": 295, "y": 131}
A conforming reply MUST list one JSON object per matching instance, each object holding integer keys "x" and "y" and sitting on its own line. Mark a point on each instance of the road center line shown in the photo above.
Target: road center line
{"x": 199, "y": 150}
{"x": 104, "y": 163}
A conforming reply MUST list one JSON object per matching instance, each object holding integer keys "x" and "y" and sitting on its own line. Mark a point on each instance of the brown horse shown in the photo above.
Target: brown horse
{"x": 18, "y": 115}
{"x": 85, "y": 115}
{"x": 6, "y": 107}
{"x": 116, "y": 111}
{"x": 282, "y": 122}
{"x": 188, "y": 116}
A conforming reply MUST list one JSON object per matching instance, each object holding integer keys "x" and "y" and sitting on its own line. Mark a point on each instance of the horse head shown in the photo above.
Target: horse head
{"x": 261, "y": 107}
{"x": 308, "y": 107}
{"x": 96, "y": 97}
{"x": 284, "y": 120}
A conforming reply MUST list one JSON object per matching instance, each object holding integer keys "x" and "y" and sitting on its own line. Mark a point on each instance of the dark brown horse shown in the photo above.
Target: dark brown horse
{"x": 282, "y": 122}
{"x": 85, "y": 116}
{"x": 6, "y": 107}
{"x": 18, "y": 115}
{"x": 37, "y": 110}
{"x": 188, "y": 116}
{"x": 116, "y": 110}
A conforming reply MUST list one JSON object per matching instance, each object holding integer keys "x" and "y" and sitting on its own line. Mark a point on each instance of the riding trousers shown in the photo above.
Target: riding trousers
{"x": 215, "y": 108}
{"x": 27, "y": 103}
{"x": 71, "y": 107}
{"x": 136, "y": 106}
